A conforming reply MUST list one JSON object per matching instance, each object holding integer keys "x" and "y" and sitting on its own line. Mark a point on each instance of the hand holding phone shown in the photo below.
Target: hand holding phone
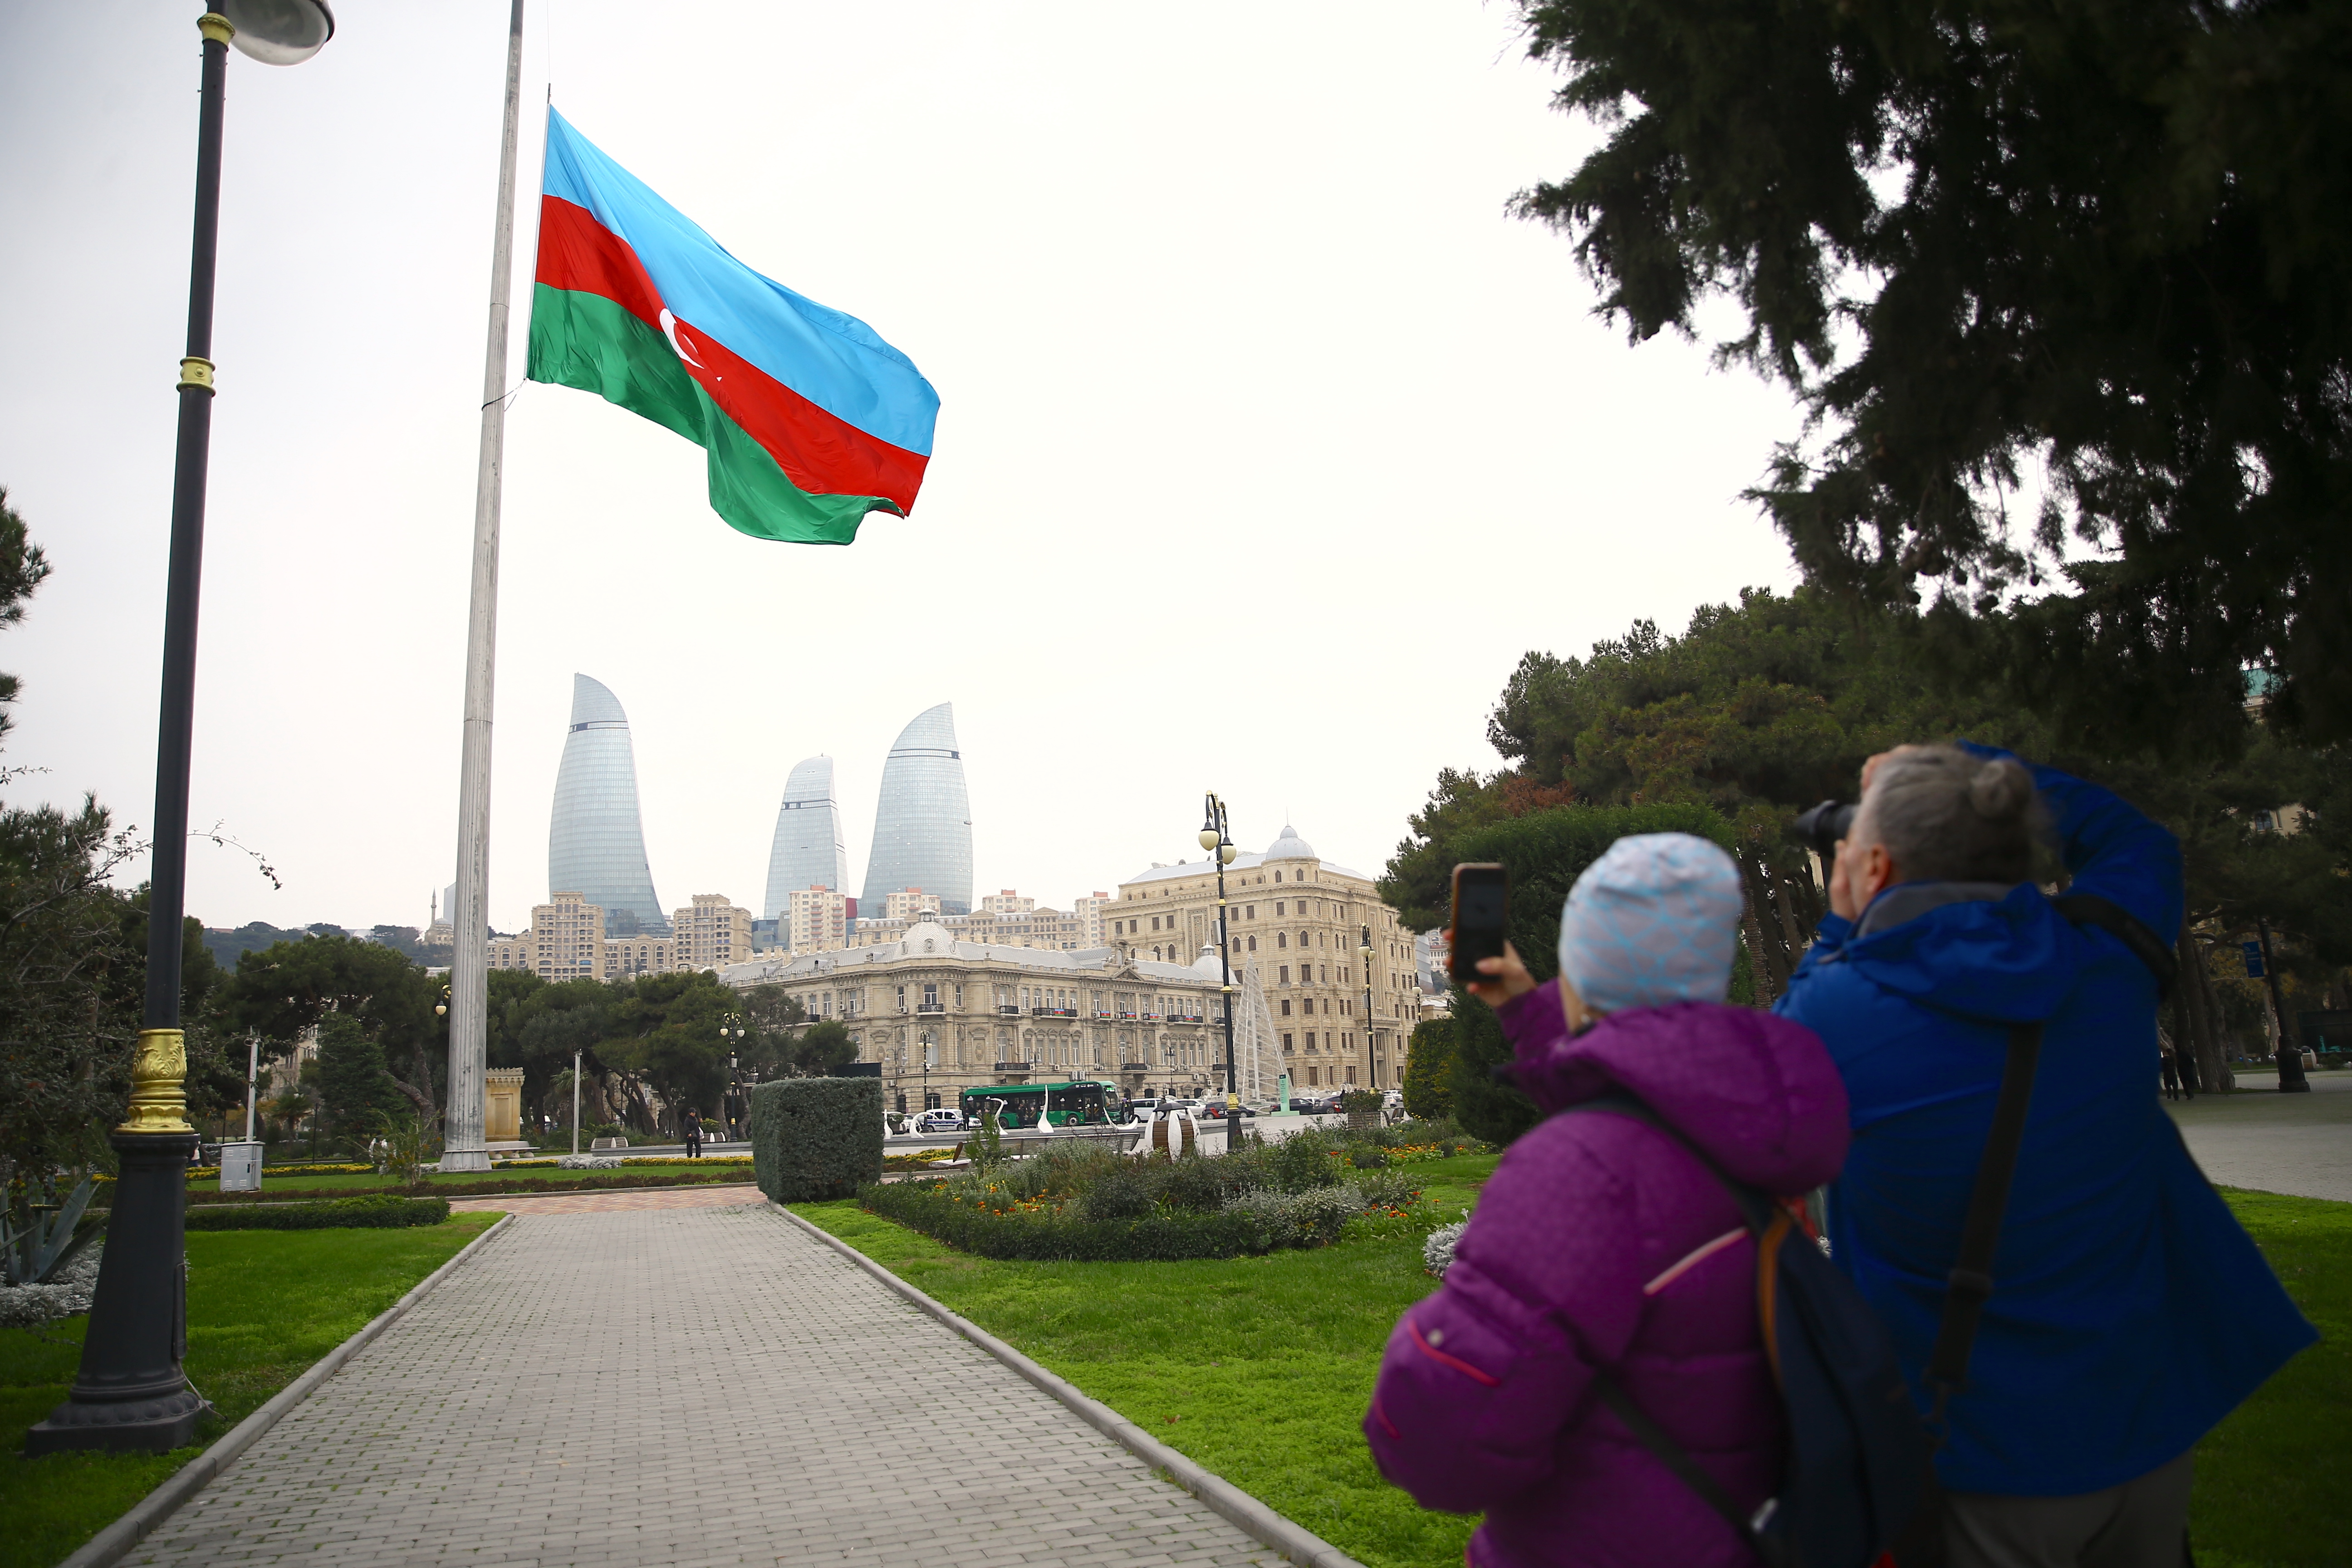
{"x": 1482, "y": 901}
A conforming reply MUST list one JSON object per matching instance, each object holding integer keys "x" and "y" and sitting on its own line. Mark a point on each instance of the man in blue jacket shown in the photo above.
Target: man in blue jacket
{"x": 2129, "y": 1310}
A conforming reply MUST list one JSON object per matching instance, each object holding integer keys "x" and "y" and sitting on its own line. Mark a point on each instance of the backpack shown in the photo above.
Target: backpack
{"x": 1861, "y": 1476}
{"x": 1859, "y": 1455}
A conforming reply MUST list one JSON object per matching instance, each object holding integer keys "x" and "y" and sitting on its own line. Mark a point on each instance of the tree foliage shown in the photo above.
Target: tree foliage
{"x": 2094, "y": 247}
{"x": 1760, "y": 710}
{"x": 1428, "y": 1084}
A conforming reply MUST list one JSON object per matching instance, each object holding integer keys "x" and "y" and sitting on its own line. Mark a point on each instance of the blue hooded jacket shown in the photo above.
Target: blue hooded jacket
{"x": 2130, "y": 1311}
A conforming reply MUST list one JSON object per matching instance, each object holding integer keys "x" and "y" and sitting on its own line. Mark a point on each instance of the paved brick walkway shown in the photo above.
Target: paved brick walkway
{"x": 688, "y": 1387}
{"x": 2299, "y": 1144}
{"x": 614, "y": 1202}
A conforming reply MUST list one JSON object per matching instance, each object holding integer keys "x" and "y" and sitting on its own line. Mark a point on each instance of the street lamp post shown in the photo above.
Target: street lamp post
{"x": 130, "y": 1393}
{"x": 1364, "y": 951}
{"x": 1219, "y": 842}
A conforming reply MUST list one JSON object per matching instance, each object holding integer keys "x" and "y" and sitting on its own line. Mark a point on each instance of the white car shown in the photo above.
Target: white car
{"x": 939, "y": 1121}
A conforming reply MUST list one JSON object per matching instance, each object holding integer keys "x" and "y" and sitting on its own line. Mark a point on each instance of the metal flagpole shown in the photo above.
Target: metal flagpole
{"x": 469, "y": 968}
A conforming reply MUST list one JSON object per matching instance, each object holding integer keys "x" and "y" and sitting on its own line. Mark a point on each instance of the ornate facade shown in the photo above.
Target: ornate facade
{"x": 988, "y": 1013}
{"x": 1298, "y": 921}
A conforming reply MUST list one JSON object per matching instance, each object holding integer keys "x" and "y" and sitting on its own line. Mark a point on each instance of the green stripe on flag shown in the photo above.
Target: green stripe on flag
{"x": 588, "y": 341}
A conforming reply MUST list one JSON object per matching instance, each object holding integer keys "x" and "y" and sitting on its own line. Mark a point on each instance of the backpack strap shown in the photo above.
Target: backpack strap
{"x": 1969, "y": 1284}
{"x": 1676, "y": 1458}
{"x": 2090, "y": 909}
{"x": 1755, "y": 1210}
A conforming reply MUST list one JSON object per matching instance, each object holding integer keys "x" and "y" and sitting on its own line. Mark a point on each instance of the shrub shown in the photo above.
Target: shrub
{"x": 816, "y": 1137}
{"x": 1437, "y": 1252}
{"x": 1311, "y": 1218}
{"x": 1161, "y": 1235}
{"x": 377, "y": 1213}
{"x": 1429, "y": 1069}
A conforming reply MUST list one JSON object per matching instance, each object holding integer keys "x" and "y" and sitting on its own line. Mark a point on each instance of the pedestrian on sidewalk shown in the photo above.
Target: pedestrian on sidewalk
{"x": 2167, "y": 1067}
{"x": 2130, "y": 1312}
{"x": 1603, "y": 1245}
{"x": 693, "y": 1119}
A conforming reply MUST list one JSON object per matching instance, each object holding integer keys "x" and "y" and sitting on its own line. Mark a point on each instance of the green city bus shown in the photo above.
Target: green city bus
{"x": 1062, "y": 1102}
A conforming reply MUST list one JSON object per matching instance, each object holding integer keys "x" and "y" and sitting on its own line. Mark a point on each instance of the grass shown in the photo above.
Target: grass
{"x": 2268, "y": 1495}
{"x": 348, "y": 1184}
{"x": 262, "y": 1306}
{"x": 1260, "y": 1368}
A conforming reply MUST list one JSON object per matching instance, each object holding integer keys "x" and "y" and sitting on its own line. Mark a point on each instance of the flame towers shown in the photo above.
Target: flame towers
{"x": 922, "y": 823}
{"x": 595, "y": 840}
{"x": 808, "y": 851}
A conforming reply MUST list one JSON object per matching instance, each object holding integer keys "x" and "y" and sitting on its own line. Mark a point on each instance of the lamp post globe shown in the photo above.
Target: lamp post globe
{"x": 278, "y": 32}
{"x": 131, "y": 1392}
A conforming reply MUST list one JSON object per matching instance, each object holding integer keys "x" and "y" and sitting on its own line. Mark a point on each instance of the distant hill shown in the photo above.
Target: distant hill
{"x": 227, "y": 946}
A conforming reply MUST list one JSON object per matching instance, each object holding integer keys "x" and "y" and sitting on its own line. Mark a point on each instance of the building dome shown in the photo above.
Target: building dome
{"x": 1289, "y": 846}
{"x": 929, "y": 936}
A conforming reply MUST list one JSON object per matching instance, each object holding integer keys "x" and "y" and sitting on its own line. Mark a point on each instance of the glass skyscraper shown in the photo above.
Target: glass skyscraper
{"x": 808, "y": 851}
{"x": 922, "y": 826}
{"x": 595, "y": 841}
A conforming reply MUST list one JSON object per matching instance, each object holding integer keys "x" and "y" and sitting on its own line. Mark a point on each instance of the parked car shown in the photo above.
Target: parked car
{"x": 939, "y": 1120}
{"x": 1216, "y": 1111}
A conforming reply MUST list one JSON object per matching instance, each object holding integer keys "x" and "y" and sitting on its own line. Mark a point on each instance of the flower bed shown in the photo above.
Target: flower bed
{"x": 1087, "y": 1203}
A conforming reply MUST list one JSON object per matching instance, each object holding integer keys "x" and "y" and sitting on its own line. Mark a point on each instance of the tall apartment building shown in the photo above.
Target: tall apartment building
{"x": 1008, "y": 902}
{"x": 1298, "y": 920}
{"x": 909, "y": 904}
{"x": 1093, "y": 914}
{"x": 711, "y": 932}
{"x": 565, "y": 941}
{"x": 820, "y": 920}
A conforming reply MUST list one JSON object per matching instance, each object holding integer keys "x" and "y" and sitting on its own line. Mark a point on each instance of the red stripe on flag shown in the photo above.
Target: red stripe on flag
{"x": 821, "y": 452}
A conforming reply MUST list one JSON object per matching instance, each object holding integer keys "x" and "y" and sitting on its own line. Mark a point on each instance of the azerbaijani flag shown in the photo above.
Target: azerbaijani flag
{"x": 810, "y": 419}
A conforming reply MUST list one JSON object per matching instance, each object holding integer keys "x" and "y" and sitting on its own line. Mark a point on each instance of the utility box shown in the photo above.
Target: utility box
{"x": 240, "y": 1167}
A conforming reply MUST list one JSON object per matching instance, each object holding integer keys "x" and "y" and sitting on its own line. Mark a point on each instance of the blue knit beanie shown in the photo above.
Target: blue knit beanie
{"x": 1654, "y": 921}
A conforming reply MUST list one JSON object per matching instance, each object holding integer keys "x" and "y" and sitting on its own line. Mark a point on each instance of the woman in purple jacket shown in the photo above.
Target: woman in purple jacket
{"x": 1601, "y": 1244}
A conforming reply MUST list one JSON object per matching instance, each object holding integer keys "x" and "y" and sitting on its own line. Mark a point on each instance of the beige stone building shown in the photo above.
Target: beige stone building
{"x": 820, "y": 920}
{"x": 711, "y": 932}
{"x": 567, "y": 942}
{"x": 1296, "y": 923}
{"x": 991, "y": 1013}
{"x": 1092, "y": 914}
{"x": 909, "y": 904}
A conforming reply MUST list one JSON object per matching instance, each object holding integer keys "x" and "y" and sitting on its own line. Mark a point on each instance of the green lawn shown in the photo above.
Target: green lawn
{"x": 262, "y": 1306}
{"x": 344, "y": 1184}
{"x": 1257, "y": 1367}
{"x": 1260, "y": 1368}
{"x": 2268, "y": 1493}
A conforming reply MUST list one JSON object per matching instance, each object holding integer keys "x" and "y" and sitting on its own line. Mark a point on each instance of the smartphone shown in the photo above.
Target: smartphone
{"x": 1481, "y": 907}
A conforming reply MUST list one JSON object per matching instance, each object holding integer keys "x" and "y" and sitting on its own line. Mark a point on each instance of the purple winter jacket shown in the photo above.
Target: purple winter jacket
{"x": 1600, "y": 1242}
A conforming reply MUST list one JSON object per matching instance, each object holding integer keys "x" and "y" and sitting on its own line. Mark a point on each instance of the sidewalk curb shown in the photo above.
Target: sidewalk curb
{"x": 1261, "y": 1523}
{"x": 115, "y": 1542}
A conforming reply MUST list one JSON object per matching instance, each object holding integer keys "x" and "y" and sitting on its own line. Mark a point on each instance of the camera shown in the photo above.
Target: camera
{"x": 1824, "y": 826}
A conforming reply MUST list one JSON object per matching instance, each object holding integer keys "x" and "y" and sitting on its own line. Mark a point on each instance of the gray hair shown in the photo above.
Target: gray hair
{"x": 1948, "y": 815}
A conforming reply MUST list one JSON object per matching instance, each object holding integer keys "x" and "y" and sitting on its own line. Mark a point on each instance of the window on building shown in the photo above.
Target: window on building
{"x": 1277, "y": 911}
{"x": 1311, "y": 1078}
{"x": 1283, "y": 970}
{"x": 1249, "y": 912}
{"x": 1253, "y": 942}
{"x": 1285, "y": 1007}
{"x": 931, "y": 996}
{"x": 1277, "y": 875}
{"x": 1286, "y": 1043}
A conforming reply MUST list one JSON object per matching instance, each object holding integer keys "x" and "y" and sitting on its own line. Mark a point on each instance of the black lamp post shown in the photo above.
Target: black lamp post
{"x": 1364, "y": 951}
{"x": 2291, "y": 1079}
{"x": 1219, "y": 843}
{"x": 130, "y": 1393}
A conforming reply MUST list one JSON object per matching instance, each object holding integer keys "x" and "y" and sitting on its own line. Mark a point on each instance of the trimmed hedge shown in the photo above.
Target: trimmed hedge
{"x": 1163, "y": 1236}
{"x": 816, "y": 1137}
{"x": 365, "y": 1214}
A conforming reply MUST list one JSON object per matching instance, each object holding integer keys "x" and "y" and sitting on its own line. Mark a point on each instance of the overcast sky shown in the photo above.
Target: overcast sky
{"x": 1268, "y": 441}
